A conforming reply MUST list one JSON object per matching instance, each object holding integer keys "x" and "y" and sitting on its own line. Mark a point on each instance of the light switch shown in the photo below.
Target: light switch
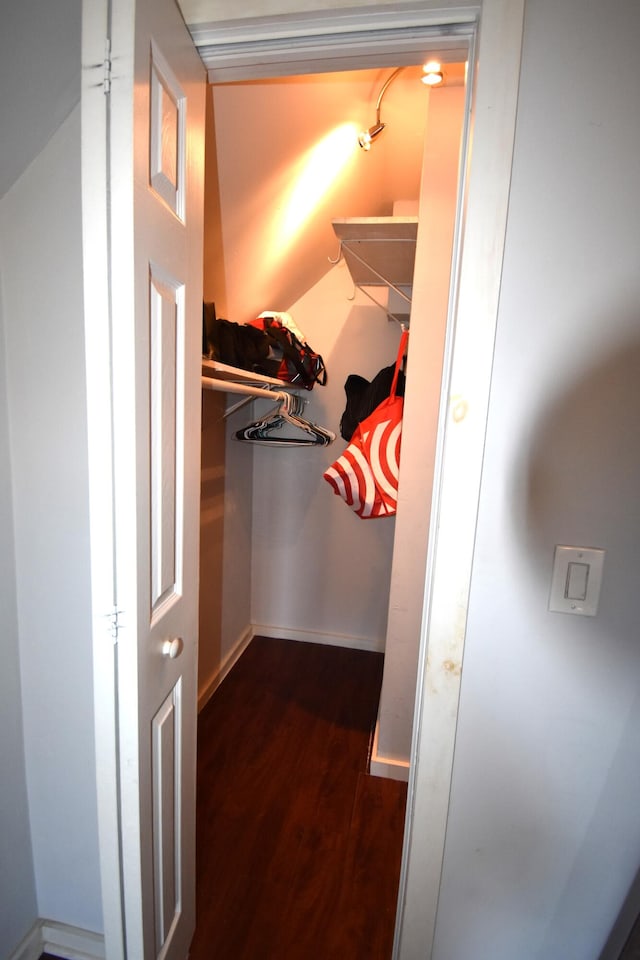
{"x": 576, "y": 579}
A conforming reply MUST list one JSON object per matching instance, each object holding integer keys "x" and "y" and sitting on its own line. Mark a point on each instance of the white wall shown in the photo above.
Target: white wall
{"x": 41, "y": 261}
{"x": 48, "y": 855}
{"x": 543, "y": 838}
{"x": 18, "y": 908}
{"x": 429, "y": 310}
{"x": 318, "y": 569}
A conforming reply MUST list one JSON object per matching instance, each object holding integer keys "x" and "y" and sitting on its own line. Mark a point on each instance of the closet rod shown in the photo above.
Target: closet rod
{"x": 228, "y": 386}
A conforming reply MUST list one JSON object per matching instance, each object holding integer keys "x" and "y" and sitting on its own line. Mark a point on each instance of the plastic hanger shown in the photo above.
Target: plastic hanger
{"x": 268, "y": 429}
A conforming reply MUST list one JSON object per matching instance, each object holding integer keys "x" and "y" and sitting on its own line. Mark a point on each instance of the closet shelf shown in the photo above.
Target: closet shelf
{"x": 380, "y": 252}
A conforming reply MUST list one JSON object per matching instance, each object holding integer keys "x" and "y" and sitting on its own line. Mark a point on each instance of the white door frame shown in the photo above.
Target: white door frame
{"x": 365, "y": 37}
{"x": 98, "y": 334}
{"x": 471, "y": 329}
{"x": 495, "y": 28}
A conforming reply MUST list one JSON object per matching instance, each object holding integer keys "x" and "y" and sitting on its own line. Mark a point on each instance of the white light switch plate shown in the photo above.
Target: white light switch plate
{"x": 575, "y": 589}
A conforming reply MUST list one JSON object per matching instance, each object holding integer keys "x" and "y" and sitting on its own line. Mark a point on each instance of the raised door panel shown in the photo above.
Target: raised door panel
{"x": 166, "y": 416}
{"x": 167, "y": 803}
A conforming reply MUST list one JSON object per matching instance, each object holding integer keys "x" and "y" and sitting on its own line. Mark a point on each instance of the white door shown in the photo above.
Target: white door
{"x": 154, "y": 161}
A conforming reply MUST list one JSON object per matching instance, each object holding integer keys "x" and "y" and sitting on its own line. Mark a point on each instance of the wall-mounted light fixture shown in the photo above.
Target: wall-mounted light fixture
{"x": 366, "y": 138}
{"x": 432, "y": 76}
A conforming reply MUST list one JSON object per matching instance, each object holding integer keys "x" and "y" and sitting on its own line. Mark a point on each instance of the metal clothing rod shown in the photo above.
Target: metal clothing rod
{"x": 228, "y": 386}
{"x": 288, "y": 411}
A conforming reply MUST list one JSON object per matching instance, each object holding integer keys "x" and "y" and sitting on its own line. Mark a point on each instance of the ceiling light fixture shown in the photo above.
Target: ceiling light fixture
{"x": 432, "y": 73}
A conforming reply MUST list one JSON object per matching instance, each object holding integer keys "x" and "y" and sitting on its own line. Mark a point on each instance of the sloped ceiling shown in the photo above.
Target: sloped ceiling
{"x": 40, "y": 58}
{"x": 289, "y": 162}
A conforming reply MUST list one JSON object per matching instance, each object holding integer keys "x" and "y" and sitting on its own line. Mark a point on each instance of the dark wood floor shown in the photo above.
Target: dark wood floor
{"x": 298, "y": 848}
{"x": 631, "y": 949}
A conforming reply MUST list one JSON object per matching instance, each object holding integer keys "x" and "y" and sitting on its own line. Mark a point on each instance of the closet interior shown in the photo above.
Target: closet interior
{"x": 300, "y": 220}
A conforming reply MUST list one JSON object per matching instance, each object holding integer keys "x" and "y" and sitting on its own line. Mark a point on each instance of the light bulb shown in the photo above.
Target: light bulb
{"x": 367, "y": 137}
{"x": 432, "y": 73}
{"x": 433, "y": 79}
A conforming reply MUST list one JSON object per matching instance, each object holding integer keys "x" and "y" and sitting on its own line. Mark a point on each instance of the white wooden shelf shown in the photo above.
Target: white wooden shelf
{"x": 379, "y": 251}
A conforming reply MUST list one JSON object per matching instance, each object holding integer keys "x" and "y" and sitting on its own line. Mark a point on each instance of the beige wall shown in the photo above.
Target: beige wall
{"x": 212, "y": 486}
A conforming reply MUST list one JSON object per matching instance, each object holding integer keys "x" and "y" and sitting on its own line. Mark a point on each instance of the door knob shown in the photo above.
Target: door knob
{"x": 173, "y": 648}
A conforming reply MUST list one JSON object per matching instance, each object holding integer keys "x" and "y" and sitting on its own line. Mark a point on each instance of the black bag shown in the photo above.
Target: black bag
{"x": 236, "y": 344}
{"x": 297, "y": 362}
{"x": 363, "y": 397}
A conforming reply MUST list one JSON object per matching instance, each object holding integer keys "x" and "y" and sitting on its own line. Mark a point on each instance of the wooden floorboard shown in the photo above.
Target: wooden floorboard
{"x": 374, "y": 851}
{"x": 298, "y": 848}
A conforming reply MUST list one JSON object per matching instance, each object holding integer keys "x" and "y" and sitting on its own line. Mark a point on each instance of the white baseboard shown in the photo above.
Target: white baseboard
{"x": 229, "y": 661}
{"x": 71, "y": 943}
{"x": 31, "y": 947}
{"x": 381, "y": 766}
{"x": 375, "y": 645}
{"x": 60, "y": 940}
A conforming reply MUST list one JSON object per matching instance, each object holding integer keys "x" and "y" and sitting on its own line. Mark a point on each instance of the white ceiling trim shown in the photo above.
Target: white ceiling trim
{"x": 333, "y": 40}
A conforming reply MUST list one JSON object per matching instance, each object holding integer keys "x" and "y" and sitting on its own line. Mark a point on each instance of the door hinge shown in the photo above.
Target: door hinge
{"x": 114, "y": 623}
{"x": 106, "y": 83}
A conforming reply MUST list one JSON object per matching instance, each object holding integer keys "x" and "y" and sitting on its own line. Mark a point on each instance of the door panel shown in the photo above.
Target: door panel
{"x": 157, "y": 141}
{"x": 168, "y": 148}
{"x": 166, "y": 299}
{"x": 167, "y": 800}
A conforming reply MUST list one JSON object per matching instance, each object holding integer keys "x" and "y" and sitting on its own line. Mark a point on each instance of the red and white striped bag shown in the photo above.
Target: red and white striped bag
{"x": 366, "y": 474}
